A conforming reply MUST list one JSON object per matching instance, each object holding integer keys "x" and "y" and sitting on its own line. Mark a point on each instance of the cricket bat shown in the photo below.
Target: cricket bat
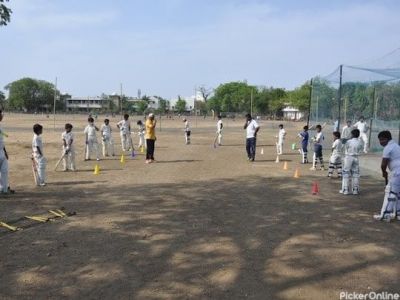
{"x": 35, "y": 171}
{"x": 59, "y": 161}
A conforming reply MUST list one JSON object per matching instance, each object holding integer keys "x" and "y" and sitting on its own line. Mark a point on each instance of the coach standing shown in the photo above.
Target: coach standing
{"x": 252, "y": 128}
{"x": 150, "y": 138}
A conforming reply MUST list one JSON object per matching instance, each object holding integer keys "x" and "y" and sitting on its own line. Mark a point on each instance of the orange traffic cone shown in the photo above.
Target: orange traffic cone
{"x": 315, "y": 188}
{"x": 296, "y": 173}
{"x": 285, "y": 167}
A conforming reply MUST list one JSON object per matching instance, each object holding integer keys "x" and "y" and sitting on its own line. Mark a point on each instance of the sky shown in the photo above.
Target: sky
{"x": 171, "y": 47}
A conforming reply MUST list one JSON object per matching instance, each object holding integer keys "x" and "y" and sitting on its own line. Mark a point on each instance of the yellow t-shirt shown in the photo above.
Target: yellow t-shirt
{"x": 150, "y": 129}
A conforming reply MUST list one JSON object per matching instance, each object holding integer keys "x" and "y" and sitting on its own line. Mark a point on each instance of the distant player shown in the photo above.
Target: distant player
{"x": 220, "y": 125}
{"x": 187, "y": 131}
{"x": 4, "y": 187}
{"x": 107, "y": 139}
{"x": 335, "y": 161}
{"x": 346, "y": 132}
{"x": 351, "y": 166}
{"x": 252, "y": 128}
{"x": 317, "y": 140}
{"x": 141, "y": 130}
{"x": 38, "y": 156}
{"x": 363, "y": 127}
{"x": 68, "y": 148}
{"x": 390, "y": 159}
{"x": 124, "y": 127}
{"x": 280, "y": 139}
{"x": 304, "y": 144}
{"x": 91, "y": 139}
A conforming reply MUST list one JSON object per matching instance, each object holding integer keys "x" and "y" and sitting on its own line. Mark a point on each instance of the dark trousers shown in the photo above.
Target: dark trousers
{"x": 251, "y": 147}
{"x": 150, "y": 149}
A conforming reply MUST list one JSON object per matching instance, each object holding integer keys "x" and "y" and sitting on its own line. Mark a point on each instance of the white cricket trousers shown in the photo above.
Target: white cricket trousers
{"x": 142, "y": 142}
{"x": 41, "y": 163}
{"x": 69, "y": 159}
{"x": 351, "y": 170}
{"x": 125, "y": 141}
{"x": 91, "y": 146}
{"x": 219, "y": 138}
{"x": 3, "y": 172}
{"x": 364, "y": 138}
{"x": 279, "y": 147}
{"x": 108, "y": 145}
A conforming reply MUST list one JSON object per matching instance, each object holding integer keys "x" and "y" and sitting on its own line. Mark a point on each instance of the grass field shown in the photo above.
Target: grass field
{"x": 200, "y": 223}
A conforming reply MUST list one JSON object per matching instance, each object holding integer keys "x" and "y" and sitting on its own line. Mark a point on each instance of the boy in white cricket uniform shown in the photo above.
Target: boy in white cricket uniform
{"x": 124, "y": 127}
{"x": 363, "y": 127}
{"x": 391, "y": 160}
{"x": 346, "y": 131}
{"x": 68, "y": 148}
{"x": 281, "y": 137}
{"x": 220, "y": 125}
{"x": 91, "y": 139}
{"x": 187, "y": 131}
{"x": 37, "y": 153}
{"x": 107, "y": 140}
{"x": 351, "y": 166}
{"x": 142, "y": 142}
{"x": 335, "y": 161}
{"x": 4, "y": 188}
{"x": 317, "y": 140}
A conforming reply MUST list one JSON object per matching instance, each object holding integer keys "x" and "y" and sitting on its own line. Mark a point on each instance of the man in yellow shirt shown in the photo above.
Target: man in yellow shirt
{"x": 150, "y": 138}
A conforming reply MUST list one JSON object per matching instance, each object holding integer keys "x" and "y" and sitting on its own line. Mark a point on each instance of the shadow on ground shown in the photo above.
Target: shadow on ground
{"x": 257, "y": 238}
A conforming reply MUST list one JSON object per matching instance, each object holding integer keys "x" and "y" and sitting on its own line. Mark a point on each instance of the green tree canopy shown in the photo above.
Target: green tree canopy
{"x": 2, "y": 100}
{"x": 300, "y": 97}
{"x": 31, "y": 95}
{"x": 5, "y": 13}
{"x": 180, "y": 105}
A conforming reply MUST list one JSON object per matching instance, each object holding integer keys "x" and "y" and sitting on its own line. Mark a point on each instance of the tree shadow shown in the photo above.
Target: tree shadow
{"x": 260, "y": 238}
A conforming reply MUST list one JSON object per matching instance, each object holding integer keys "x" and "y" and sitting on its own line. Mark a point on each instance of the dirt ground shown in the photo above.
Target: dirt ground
{"x": 200, "y": 223}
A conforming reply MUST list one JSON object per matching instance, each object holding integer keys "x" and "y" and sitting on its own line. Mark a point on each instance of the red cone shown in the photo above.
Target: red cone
{"x": 315, "y": 188}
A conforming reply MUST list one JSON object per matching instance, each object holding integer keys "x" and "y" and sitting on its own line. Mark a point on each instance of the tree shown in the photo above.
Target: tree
{"x": 232, "y": 97}
{"x": 142, "y": 106}
{"x": 2, "y": 100}
{"x": 180, "y": 105}
{"x": 31, "y": 95}
{"x": 5, "y": 13}
{"x": 205, "y": 93}
{"x": 201, "y": 106}
{"x": 163, "y": 105}
{"x": 300, "y": 97}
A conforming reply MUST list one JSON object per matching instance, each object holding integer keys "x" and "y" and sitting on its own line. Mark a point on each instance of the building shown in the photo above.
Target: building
{"x": 291, "y": 113}
{"x": 86, "y": 104}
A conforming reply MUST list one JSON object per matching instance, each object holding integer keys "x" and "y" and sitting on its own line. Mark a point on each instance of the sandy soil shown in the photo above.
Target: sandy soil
{"x": 201, "y": 223}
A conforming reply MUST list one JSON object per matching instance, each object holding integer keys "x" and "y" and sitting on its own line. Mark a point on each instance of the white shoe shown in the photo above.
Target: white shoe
{"x": 398, "y": 218}
{"x": 345, "y": 192}
{"x": 341, "y": 191}
{"x": 313, "y": 168}
{"x": 377, "y": 217}
{"x": 355, "y": 192}
{"x": 98, "y": 159}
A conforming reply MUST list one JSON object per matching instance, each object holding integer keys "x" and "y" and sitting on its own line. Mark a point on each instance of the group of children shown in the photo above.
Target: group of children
{"x": 91, "y": 145}
{"x": 346, "y": 149}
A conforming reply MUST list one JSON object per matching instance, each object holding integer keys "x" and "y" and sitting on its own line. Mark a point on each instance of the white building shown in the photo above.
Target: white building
{"x": 291, "y": 113}
{"x": 86, "y": 103}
